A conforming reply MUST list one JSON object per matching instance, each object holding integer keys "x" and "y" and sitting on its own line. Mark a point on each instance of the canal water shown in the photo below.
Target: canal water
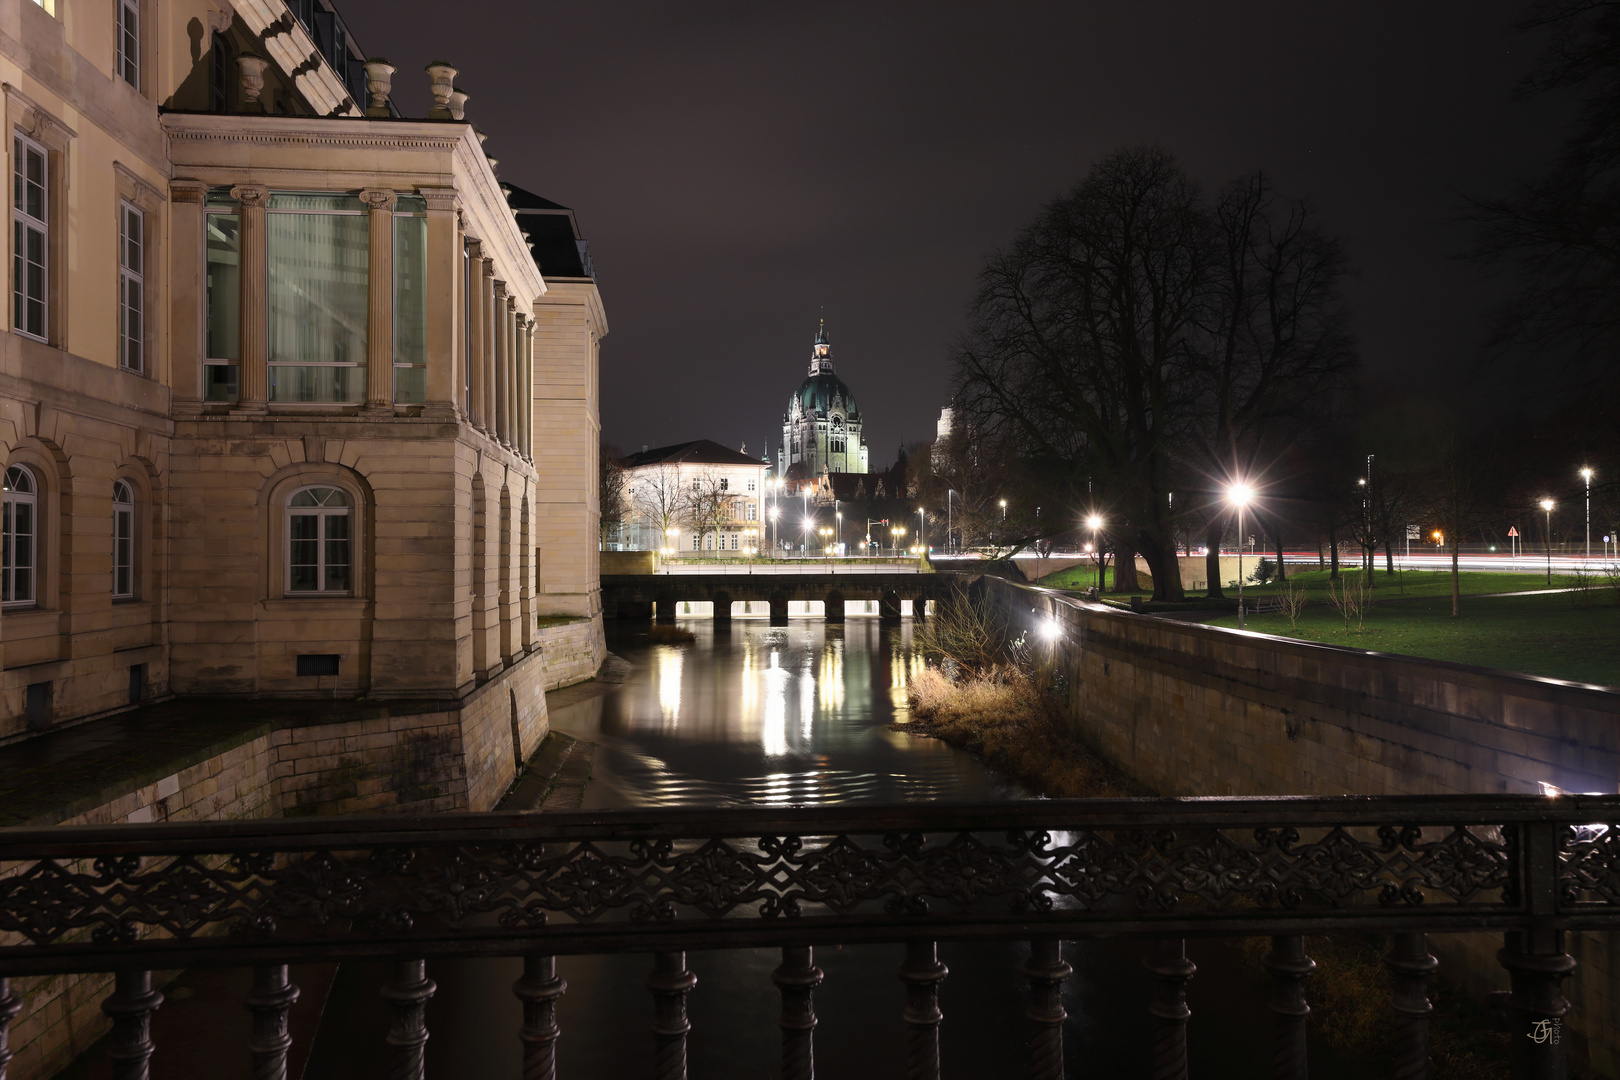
{"x": 796, "y": 714}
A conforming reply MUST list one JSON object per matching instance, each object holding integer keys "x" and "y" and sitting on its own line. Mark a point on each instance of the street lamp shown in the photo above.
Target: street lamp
{"x": 921, "y": 522}
{"x": 1547, "y": 505}
{"x": 1586, "y": 474}
{"x": 838, "y": 517}
{"x": 1095, "y": 522}
{"x": 776, "y": 512}
{"x": 895, "y": 534}
{"x": 1239, "y": 495}
{"x": 1003, "y": 509}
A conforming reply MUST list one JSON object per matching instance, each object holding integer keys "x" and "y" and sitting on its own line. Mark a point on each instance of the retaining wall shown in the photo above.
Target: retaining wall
{"x": 1198, "y": 710}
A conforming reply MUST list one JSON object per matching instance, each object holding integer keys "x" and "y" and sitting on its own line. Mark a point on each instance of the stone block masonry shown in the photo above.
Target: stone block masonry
{"x": 1200, "y": 710}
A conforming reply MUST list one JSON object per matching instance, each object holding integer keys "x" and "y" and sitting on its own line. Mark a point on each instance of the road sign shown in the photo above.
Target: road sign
{"x": 1513, "y": 530}
{"x": 1414, "y": 532}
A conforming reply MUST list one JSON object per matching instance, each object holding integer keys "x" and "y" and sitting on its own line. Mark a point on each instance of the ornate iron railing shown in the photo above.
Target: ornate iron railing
{"x": 136, "y": 898}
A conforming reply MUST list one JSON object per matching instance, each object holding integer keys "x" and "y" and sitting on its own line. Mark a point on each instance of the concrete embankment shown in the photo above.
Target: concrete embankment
{"x": 1197, "y": 710}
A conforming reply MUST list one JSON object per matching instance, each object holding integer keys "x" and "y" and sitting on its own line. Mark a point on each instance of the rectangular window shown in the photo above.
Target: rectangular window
{"x": 750, "y": 485}
{"x": 725, "y": 483}
{"x": 753, "y": 511}
{"x": 224, "y": 283}
{"x": 30, "y": 213}
{"x": 318, "y": 663}
{"x": 129, "y": 42}
{"x": 131, "y": 287}
{"x": 123, "y": 542}
{"x": 319, "y": 255}
{"x": 410, "y": 300}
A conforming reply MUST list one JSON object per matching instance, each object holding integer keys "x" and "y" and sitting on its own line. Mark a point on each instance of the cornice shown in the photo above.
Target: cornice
{"x": 292, "y": 50}
{"x": 233, "y": 128}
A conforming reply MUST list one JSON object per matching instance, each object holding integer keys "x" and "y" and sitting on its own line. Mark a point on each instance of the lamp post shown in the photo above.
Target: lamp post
{"x": 1547, "y": 505}
{"x": 950, "y": 495}
{"x": 776, "y": 512}
{"x": 895, "y": 535}
{"x": 838, "y": 524}
{"x": 1003, "y": 509}
{"x": 1095, "y": 522}
{"x": 1239, "y": 495}
{"x": 922, "y": 521}
{"x": 1586, "y": 474}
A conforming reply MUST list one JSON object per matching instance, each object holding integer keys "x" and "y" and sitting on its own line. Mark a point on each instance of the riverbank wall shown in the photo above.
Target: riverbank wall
{"x": 1187, "y": 709}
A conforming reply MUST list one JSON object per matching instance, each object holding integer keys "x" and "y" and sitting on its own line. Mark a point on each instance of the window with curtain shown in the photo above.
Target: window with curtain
{"x": 318, "y": 260}
{"x": 320, "y": 556}
{"x": 30, "y": 215}
{"x": 129, "y": 42}
{"x": 123, "y": 585}
{"x": 224, "y": 283}
{"x": 131, "y": 287}
{"x": 410, "y": 300}
{"x": 19, "y": 537}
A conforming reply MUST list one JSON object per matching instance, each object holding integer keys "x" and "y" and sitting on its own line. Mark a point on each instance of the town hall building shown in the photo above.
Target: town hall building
{"x": 821, "y": 430}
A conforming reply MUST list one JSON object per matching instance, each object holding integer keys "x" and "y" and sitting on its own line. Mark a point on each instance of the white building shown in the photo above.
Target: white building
{"x": 694, "y": 498}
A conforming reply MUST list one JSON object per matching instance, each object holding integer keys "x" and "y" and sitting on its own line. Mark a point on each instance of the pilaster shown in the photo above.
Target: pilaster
{"x": 380, "y": 205}
{"x": 254, "y": 395}
{"x": 186, "y": 293}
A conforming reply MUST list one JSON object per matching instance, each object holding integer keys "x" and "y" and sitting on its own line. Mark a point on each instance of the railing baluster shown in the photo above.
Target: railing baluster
{"x": 1408, "y": 958}
{"x": 10, "y": 1006}
{"x": 1171, "y": 970}
{"x": 407, "y": 994}
{"x": 1290, "y": 970}
{"x": 922, "y": 973}
{"x": 270, "y": 999}
{"x": 1538, "y": 965}
{"x": 670, "y": 982}
{"x": 131, "y": 1005}
{"x": 539, "y": 988}
{"x": 797, "y": 978}
{"x": 1046, "y": 971}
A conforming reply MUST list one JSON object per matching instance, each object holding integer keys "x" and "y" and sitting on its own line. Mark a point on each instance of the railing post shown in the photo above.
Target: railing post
{"x": 539, "y": 989}
{"x": 269, "y": 1000}
{"x": 407, "y": 994}
{"x": 131, "y": 1005}
{"x": 670, "y": 982}
{"x": 1046, "y": 971}
{"x": 1290, "y": 970}
{"x": 1171, "y": 970}
{"x": 1537, "y": 963}
{"x": 1409, "y": 960}
{"x": 922, "y": 973}
{"x": 797, "y": 978}
{"x": 10, "y": 1006}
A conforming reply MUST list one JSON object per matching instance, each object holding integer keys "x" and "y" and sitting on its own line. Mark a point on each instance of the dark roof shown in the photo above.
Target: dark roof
{"x": 552, "y": 232}
{"x": 700, "y": 452}
{"x": 825, "y": 393}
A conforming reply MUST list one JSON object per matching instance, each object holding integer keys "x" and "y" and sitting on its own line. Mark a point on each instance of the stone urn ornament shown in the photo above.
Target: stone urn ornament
{"x": 442, "y": 82}
{"x": 380, "y": 82}
{"x": 458, "y": 104}
{"x": 250, "y": 77}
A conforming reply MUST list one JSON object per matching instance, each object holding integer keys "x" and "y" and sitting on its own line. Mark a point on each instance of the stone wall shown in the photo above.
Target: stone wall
{"x": 1199, "y": 710}
{"x": 573, "y": 650}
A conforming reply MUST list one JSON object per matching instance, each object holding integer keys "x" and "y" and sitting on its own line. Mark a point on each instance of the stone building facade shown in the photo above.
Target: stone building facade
{"x": 289, "y": 405}
{"x": 822, "y": 427}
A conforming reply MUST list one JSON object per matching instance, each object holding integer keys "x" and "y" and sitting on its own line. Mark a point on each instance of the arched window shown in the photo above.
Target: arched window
{"x": 123, "y": 587}
{"x": 19, "y": 562}
{"x": 320, "y": 548}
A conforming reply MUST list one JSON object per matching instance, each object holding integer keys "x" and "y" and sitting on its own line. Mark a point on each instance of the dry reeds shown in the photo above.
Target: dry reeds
{"x": 670, "y": 634}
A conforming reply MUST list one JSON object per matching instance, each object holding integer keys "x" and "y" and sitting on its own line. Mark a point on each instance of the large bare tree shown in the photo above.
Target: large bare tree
{"x": 1079, "y": 347}
{"x": 659, "y": 499}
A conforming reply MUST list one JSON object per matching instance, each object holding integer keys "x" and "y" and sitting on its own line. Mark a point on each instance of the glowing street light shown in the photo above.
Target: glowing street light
{"x": 1094, "y": 522}
{"x": 1239, "y": 496}
{"x": 1586, "y": 474}
{"x": 1547, "y": 505}
{"x": 1003, "y": 509}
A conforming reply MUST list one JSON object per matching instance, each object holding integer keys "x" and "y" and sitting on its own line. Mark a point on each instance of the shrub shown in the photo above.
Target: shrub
{"x": 1291, "y": 600}
{"x": 1264, "y": 571}
{"x": 670, "y": 634}
{"x": 1351, "y": 599}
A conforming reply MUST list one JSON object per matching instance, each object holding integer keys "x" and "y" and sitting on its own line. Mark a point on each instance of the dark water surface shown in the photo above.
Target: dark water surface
{"x": 762, "y": 715}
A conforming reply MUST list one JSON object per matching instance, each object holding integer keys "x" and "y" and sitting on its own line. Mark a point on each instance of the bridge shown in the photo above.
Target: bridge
{"x": 643, "y": 596}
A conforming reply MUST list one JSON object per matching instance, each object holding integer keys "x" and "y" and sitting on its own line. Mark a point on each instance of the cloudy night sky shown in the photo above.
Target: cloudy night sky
{"x": 739, "y": 168}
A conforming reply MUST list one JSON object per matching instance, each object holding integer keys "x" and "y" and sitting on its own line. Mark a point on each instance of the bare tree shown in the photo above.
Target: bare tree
{"x": 709, "y": 505}
{"x": 658, "y": 499}
{"x": 1078, "y": 349}
{"x": 612, "y": 500}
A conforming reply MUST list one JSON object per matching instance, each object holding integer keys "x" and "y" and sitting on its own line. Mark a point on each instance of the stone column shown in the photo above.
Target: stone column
{"x": 475, "y": 332}
{"x": 526, "y": 400}
{"x": 444, "y": 303}
{"x": 255, "y": 351}
{"x": 486, "y": 402}
{"x": 503, "y": 361}
{"x": 187, "y": 292}
{"x": 380, "y": 300}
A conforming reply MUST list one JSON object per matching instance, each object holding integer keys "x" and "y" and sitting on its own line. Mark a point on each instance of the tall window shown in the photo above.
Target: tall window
{"x": 410, "y": 299}
{"x": 19, "y": 537}
{"x": 123, "y": 586}
{"x": 129, "y": 42}
{"x": 30, "y": 218}
{"x": 224, "y": 272}
{"x": 319, "y": 541}
{"x": 319, "y": 256}
{"x": 131, "y": 287}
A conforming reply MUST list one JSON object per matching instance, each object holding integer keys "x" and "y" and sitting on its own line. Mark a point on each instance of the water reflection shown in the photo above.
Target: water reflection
{"x": 670, "y": 661}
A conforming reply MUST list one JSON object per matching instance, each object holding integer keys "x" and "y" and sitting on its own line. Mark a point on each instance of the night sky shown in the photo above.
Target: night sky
{"x": 741, "y": 168}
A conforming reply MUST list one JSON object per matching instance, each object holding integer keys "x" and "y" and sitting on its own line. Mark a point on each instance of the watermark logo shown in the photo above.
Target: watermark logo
{"x": 1545, "y": 1031}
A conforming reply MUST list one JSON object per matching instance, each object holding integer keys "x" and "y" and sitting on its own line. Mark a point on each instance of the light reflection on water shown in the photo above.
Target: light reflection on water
{"x": 791, "y": 715}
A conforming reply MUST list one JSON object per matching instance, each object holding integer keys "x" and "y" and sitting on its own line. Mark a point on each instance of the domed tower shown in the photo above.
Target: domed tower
{"x": 821, "y": 430}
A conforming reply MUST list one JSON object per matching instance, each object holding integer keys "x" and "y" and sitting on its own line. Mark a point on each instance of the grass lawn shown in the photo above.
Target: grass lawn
{"x": 1315, "y": 582}
{"x": 1538, "y": 635}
